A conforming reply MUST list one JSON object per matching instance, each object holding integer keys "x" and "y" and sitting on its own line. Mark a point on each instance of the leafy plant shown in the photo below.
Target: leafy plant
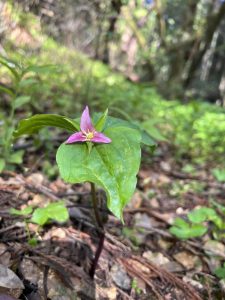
{"x": 196, "y": 226}
{"x": 106, "y": 154}
{"x": 184, "y": 230}
{"x": 113, "y": 166}
{"x": 219, "y": 174}
{"x": 53, "y": 211}
{"x": 21, "y": 76}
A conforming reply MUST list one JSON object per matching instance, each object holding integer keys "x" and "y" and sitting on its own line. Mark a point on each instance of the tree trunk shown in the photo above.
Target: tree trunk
{"x": 204, "y": 43}
{"x": 116, "y": 8}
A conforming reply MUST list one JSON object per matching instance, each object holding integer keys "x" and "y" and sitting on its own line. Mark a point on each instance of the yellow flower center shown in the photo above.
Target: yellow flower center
{"x": 89, "y": 135}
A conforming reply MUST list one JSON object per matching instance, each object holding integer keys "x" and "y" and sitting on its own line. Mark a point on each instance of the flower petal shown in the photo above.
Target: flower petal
{"x": 85, "y": 121}
{"x": 100, "y": 138}
{"x": 76, "y": 137}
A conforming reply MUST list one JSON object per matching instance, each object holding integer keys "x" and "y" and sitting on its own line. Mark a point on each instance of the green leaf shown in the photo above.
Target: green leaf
{"x": 205, "y": 214}
{"x": 6, "y": 90}
{"x": 180, "y": 223}
{"x": 53, "y": 211}
{"x": 20, "y": 101}
{"x": 112, "y": 166}
{"x": 220, "y": 272}
{"x": 198, "y": 215}
{"x": 27, "y": 82}
{"x": 23, "y": 212}
{"x": 183, "y": 230}
{"x": 40, "y": 216}
{"x": 40, "y": 69}
{"x": 2, "y": 164}
{"x": 219, "y": 174}
{"x": 11, "y": 65}
{"x": 37, "y": 122}
{"x": 101, "y": 121}
{"x": 146, "y": 139}
{"x": 16, "y": 157}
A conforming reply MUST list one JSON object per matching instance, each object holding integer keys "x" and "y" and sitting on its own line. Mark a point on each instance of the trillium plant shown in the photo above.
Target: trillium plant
{"x": 104, "y": 151}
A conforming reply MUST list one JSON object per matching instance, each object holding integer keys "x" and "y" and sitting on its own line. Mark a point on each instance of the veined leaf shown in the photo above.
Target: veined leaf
{"x": 37, "y": 122}
{"x": 146, "y": 139}
{"x": 113, "y": 166}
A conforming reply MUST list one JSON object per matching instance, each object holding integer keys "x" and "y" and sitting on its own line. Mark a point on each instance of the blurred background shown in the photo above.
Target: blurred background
{"x": 159, "y": 62}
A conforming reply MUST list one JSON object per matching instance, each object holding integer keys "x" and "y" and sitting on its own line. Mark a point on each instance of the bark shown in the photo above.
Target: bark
{"x": 116, "y": 9}
{"x": 211, "y": 26}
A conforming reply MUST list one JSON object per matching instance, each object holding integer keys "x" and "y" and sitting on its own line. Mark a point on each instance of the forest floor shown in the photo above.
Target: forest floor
{"x": 140, "y": 260}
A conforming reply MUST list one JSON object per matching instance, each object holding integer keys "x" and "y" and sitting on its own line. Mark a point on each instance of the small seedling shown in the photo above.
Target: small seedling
{"x": 196, "y": 225}
{"x": 52, "y": 212}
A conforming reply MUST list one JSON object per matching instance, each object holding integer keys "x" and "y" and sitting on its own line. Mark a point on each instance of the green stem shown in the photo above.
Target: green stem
{"x": 9, "y": 122}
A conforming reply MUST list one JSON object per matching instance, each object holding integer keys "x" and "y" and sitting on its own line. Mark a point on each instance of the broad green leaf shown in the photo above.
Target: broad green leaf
{"x": 198, "y": 215}
{"x": 20, "y": 101}
{"x": 112, "y": 166}
{"x": 146, "y": 139}
{"x": 101, "y": 121}
{"x": 53, "y": 211}
{"x": 192, "y": 231}
{"x": 2, "y": 164}
{"x": 40, "y": 216}
{"x": 205, "y": 214}
{"x": 23, "y": 212}
{"x": 180, "y": 223}
{"x": 16, "y": 157}
{"x": 37, "y": 122}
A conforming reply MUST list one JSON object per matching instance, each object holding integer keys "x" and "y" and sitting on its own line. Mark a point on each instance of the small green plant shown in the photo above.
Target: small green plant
{"x": 220, "y": 272}
{"x": 134, "y": 285}
{"x": 196, "y": 225}
{"x": 219, "y": 174}
{"x": 21, "y": 76}
{"x": 51, "y": 212}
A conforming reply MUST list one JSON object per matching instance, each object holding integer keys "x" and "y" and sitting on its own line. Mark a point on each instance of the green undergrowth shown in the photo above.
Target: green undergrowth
{"x": 195, "y": 130}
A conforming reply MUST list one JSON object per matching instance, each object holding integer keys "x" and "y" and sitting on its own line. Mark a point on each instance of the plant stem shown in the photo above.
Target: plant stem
{"x": 95, "y": 205}
{"x": 101, "y": 232}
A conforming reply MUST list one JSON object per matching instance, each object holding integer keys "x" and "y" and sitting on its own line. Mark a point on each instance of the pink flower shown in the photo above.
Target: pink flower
{"x": 88, "y": 132}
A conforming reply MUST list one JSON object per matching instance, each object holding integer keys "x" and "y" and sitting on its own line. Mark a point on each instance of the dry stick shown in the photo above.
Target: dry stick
{"x": 101, "y": 234}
